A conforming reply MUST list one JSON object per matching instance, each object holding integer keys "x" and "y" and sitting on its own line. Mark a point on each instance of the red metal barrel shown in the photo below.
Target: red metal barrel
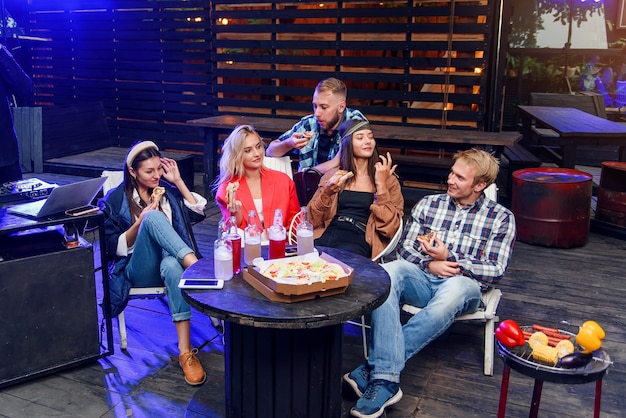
{"x": 552, "y": 206}
{"x": 611, "y": 205}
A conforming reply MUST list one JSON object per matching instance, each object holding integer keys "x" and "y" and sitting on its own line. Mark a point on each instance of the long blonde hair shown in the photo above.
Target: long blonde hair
{"x": 231, "y": 162}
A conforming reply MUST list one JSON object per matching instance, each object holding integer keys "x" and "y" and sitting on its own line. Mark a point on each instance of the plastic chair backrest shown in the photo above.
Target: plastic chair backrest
{"x": 392, "y": 244}
{"x": 306, "y": 184}
{"x": 279, "y": 164}
{"x": 292, "y": 234}
{"x": 115, "y": 178}
{"x": 492, "y": 192}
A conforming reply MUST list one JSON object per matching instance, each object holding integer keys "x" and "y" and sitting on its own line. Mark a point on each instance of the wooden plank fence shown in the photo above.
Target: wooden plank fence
{"x": 155, "y": 65}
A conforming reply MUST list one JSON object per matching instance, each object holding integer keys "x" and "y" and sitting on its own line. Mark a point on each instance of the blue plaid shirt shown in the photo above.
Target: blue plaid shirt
{"x": 308, "y": 154}
{"x": 480, "y": 236}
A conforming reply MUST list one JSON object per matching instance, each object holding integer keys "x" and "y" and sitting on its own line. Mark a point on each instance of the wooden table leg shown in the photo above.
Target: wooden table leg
{"x": 598, "y": 398}
{"x": 526, "y": 129}
{"x": 568, "y": 152}
{"x": 280, "y": 373}
{"x": 504, "y": 389}
{"x": 621, "y": 153}
{"x": 534, "y": 406}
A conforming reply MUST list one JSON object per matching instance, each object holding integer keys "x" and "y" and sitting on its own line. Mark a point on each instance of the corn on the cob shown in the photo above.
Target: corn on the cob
{"x": 545, "y": 353}
{"x": 538, "y": 338}
{"x": 564, "y": 347}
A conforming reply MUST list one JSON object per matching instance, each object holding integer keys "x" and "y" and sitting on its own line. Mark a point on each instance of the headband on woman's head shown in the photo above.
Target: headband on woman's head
{"x": 361, "y": 125}
{"x": 138, "y": 148}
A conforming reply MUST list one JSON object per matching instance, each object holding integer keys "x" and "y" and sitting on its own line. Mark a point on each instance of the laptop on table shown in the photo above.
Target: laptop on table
{"x": 61, "y": 198}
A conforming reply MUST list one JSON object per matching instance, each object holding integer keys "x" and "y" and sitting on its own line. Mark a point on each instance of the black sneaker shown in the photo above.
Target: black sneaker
{"x": 378, "y": 395}
{"x": 358, "y": 379}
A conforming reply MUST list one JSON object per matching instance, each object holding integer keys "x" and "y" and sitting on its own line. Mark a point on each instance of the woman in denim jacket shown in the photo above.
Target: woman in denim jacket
{"x": 149, "y": 241}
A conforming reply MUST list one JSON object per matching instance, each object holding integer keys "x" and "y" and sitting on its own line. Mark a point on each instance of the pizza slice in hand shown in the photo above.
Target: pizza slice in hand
{"x": 157, "y": 193}
{"x": 428, "y": 238}
{"x": 231, "y": 193}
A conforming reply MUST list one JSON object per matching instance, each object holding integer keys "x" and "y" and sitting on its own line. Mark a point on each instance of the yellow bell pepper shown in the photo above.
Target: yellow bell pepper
{"x": 595, "y": 327}
{"x": 590, "y": 336}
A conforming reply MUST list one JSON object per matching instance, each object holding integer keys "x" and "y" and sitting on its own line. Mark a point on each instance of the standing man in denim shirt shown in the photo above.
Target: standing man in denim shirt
{"x": 473, "y": 245}
{"x": 316, "y": 137}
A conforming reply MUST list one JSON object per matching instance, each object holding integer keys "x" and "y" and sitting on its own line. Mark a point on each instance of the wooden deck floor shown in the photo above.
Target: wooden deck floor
{"x": 542, "y": 285}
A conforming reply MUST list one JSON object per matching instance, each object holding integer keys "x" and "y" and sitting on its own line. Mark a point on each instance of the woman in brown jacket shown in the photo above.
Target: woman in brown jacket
{"x": 359, "y": 205}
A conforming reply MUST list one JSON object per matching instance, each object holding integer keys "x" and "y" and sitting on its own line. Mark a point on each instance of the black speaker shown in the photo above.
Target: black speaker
{"x": 49, "y": 312}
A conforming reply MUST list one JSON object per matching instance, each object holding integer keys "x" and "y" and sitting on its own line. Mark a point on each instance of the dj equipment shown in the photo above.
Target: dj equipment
{"x": 25, "y": 189}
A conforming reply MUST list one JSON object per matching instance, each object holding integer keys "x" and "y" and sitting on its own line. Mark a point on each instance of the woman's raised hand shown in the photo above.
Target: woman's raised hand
{"x": 384, "y": 169}
{"x": 171, "y": 173}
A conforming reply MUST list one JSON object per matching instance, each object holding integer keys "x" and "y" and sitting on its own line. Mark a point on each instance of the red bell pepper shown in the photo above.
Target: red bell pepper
{"x": 510, "y": 334}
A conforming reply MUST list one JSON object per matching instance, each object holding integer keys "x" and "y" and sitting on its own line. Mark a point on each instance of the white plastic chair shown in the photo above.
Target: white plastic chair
{"x": 279, "y": 164}
{"x": 292, "y": 234}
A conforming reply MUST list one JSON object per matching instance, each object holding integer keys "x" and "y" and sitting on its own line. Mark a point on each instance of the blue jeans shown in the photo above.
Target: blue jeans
{"x": 157, "y": 260}
{"x": 441, "y": 300}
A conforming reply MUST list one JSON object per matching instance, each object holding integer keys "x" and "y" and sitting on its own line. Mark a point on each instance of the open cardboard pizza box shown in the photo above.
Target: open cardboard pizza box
{"x": 284, "y": 291}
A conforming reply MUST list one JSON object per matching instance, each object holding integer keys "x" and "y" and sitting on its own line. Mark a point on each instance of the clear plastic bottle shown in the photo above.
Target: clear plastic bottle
{"x": 235, "y": 241}
{"x": 222, "y": 256}
{"x": 252, "y": 239}
{"x": 304, "y": 232}
{"x": 278, "y": 236}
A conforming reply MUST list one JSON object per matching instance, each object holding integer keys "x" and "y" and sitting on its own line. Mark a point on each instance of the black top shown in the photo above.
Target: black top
{"x": 355, "y": 204}
{"x": 240, "y": 303}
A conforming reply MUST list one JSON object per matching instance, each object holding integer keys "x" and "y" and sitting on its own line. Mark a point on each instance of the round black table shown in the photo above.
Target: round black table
{"x": 594, "y": 371}
{"x": 285, "y": 359}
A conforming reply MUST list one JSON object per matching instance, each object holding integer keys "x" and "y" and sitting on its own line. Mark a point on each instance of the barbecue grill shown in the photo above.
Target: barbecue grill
{"x": 520, "y": 359}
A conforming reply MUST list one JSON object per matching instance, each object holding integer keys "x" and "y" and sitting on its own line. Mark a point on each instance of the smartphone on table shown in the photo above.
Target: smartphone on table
{"x": 201, "y": 284}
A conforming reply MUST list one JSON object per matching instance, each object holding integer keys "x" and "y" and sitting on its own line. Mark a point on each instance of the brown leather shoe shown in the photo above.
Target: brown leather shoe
{"x": 194, "y": 373}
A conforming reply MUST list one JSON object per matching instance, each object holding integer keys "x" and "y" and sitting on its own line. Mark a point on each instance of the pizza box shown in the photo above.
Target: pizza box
{"x": 253, "y": 281}
{"x": 297, "y": 289}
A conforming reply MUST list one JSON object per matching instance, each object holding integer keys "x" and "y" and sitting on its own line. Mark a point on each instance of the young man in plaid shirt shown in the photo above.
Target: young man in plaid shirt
{"x": 473, "y": 246}
{"x": 316, "y": 136}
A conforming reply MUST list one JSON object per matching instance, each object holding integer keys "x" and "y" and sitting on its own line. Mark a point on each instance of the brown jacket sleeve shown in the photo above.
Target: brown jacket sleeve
{"x": 384, "y": 220}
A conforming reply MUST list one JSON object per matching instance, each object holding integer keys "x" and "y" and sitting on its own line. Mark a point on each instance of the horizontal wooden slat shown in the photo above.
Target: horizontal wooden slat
{"x": 154, "y": 65}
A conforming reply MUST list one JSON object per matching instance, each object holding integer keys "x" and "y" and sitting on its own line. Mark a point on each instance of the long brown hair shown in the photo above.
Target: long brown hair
{"x": 130, "y": 183}
{"x": 346, "y": 162}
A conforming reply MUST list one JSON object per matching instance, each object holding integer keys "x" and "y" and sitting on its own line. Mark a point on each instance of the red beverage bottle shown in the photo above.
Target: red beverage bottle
{"x": 277, "y": 248}
{"x": 235, "y": 241}
{"x": 278, "y": 236}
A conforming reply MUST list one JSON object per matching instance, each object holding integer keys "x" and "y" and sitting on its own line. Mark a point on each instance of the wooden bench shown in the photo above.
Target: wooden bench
{"x": 422, "y": 170}
{"x": 423, "y": 154}
{"x": 75, "y": 140}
